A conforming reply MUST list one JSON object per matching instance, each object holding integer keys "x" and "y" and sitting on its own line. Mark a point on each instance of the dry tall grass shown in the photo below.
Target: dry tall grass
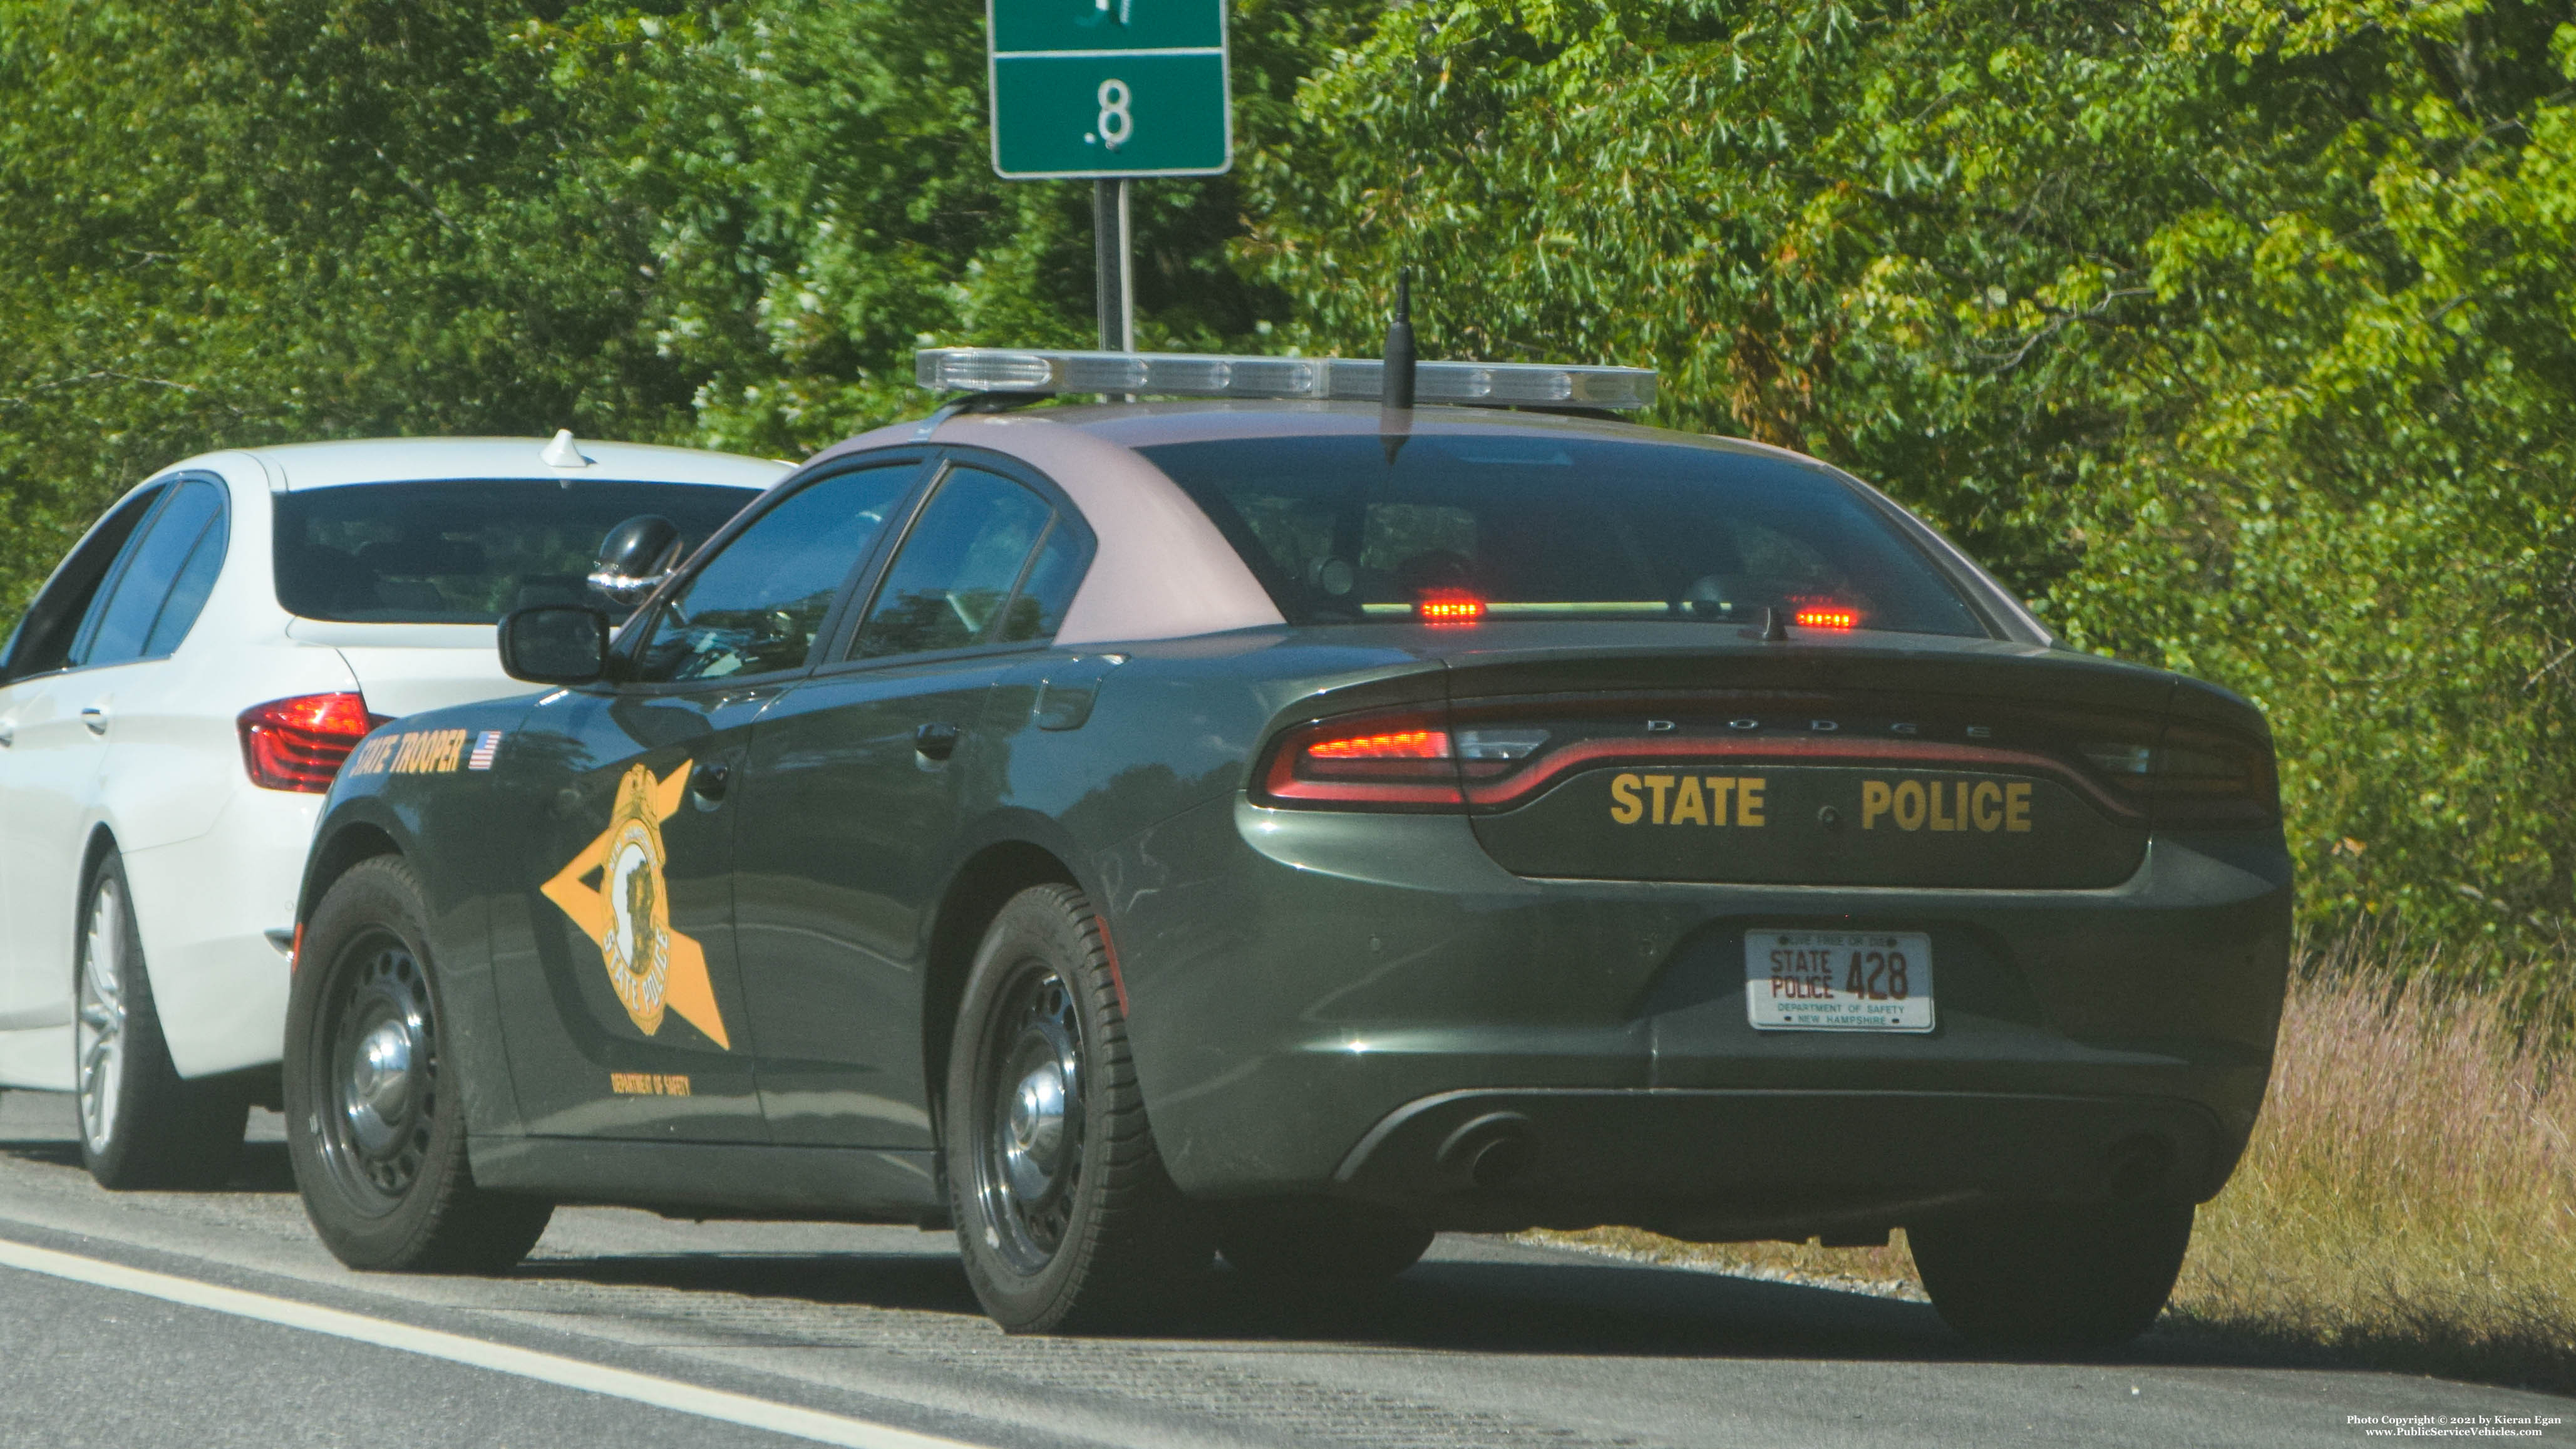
{"x": 2408, "y": 1200}
{"x": 2409, "y": 1197}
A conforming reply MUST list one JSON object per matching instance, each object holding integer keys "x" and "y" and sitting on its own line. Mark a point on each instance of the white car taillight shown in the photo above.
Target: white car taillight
{"x": 299, "y": 743}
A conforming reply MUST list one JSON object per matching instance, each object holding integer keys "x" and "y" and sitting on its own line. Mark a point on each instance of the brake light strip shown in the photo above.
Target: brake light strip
{"x": 1581, "y": 753}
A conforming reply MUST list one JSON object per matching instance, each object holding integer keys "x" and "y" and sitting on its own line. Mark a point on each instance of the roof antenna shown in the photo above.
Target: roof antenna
{"x": 1395, "y": 378}
{"x": 1395, "y": 390}
{"x": 563, "y": 452}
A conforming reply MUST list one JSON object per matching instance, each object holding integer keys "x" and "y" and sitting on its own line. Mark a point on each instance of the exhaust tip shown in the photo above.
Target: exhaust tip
{"x": 1489, "y": 1152}
{"x": 1498, "y": 1161}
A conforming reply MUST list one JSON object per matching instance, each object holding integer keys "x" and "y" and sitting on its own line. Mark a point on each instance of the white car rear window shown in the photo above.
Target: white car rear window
{"x": 466, "y": 552}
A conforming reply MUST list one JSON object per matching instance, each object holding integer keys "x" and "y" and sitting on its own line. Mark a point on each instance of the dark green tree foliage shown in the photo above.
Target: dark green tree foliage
{"x": 233, "y": 223}
{"x": 822, "y": 180}
{"x": 2236, "y": 334}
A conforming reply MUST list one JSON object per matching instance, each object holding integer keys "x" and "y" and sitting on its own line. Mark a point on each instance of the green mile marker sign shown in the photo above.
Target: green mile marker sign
{"x": 1109, "y": 88}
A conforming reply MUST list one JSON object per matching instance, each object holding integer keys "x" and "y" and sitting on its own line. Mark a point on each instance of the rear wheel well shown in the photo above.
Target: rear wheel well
{"x": 102, "y": 844}
{"x": 347, "y": 846}
{"x": 983, "y": 885}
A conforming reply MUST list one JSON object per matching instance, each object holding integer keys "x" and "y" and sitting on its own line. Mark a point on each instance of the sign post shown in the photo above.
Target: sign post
{"x": 1108, "y": 91}
{"x": 1113, "y": 261}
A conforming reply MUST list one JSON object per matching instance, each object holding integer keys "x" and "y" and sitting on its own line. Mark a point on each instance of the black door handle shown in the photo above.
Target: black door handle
{"x": 709, "y": 779}
{"x": 936, "y": 740}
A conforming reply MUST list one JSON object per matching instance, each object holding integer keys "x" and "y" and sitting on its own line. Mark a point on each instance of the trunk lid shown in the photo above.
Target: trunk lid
{"x": 1837, "y": 760}
{"x": 407, "y": 668}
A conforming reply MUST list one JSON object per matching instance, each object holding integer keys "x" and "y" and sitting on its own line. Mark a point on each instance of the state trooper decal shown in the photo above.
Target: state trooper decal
{"x": 627, "y": 910}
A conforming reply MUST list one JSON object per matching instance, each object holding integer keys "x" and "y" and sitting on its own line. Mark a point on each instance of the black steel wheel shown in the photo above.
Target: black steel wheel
{"x": 1029, "y": 1137}
{"x": 1064, "y": 1213}
{"x": 142, "y": 1125}
{"x": 380, "y": 1072}
{"x": 2052, "y": 1277}
{"x": 374, "y": 1122}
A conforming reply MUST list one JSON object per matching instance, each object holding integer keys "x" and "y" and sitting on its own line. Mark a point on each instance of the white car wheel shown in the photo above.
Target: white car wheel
{"x": 141, "y": 1125}
{"x": 99, "y": 1035}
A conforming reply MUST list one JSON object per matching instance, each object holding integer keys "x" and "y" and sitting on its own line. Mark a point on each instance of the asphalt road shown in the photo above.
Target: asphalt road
{"x": 216, "y": 1319}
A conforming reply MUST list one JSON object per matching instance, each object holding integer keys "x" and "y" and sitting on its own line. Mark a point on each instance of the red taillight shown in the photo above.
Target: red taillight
{"x": 299, "y": 743}
{"x": 1383, "y": 761}
{"x": 1825, "y": 616}
{"x": 1394, "y": 745}
{"x": 1449, "y": 606}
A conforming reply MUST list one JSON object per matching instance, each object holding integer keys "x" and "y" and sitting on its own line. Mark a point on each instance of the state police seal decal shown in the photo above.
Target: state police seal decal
{"x": 616, "y": 892}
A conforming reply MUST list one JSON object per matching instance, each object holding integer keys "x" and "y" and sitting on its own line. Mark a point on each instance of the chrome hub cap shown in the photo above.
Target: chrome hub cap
{"x": 98, "y": 1033}
{"x": 1029, "y": 1158}
{"x": 1033, "y": 1145}
{"x": 379, "y": 1087}
{"x": 381, "y": 1057}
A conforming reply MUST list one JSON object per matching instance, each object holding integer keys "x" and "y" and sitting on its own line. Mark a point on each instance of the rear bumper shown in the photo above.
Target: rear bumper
{"x": 1319, "y": 1002}
{"x": 1760, "y": 1163}
{"x": 205, "y": 907}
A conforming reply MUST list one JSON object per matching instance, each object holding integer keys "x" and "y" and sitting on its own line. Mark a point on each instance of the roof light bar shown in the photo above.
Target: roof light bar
{"x": 1316, "y": 379}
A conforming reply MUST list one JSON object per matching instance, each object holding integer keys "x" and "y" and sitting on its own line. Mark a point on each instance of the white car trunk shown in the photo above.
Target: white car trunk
{"x": 406, "y": 668}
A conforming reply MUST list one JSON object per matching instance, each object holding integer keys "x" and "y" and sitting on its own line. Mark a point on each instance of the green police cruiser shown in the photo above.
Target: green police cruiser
{"x": 1333, "y": 802}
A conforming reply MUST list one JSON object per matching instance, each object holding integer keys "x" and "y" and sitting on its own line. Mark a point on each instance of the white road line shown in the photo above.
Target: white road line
{"x": 571, "y": 1373}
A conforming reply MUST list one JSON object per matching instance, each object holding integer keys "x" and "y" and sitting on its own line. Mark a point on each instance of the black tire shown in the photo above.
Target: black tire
{"x": 2050, "y": 1277}
{"x": 1307, "y": 1245}
{"x": 1064, "y": 1213}
{"x": 141, "y": 1124}
{"x": 375, "y": 1127}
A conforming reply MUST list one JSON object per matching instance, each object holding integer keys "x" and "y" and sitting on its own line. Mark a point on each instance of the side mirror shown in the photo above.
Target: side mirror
{"x": 555, "y": 644}
{"x": 635, "y": 558}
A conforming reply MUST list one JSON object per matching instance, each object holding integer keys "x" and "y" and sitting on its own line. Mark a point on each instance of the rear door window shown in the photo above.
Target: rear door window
{"x": 1037, "y": 611}
{"x": 1535, "y": 526}
{"x": 43, "y": 638}
{"x": 188, "y": 596}
{"x": 121, "y": 622}
{"x": 959, "y": 580}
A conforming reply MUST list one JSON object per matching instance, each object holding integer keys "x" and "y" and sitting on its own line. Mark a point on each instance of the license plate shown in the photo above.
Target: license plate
{"x": 1838, "y": 980}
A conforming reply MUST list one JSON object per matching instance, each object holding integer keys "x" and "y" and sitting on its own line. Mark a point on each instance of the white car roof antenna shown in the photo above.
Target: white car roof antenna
{"x": 563, "y": 452}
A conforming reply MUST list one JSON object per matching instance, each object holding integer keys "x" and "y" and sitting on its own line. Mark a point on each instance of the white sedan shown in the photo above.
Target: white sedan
{"x": 177, "y": 699}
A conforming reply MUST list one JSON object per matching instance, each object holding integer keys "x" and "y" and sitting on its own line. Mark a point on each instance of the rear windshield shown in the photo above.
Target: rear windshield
{"x": 466, "y": 552}
{"x": 1543, "y": 527}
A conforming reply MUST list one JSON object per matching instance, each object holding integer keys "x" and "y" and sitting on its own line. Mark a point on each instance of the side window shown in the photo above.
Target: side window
{"x": 1037, "y": 611}
{"x": 121, "y": 622}
{"x": 958, "y": 567}
{"x": 188, "y": 596}
{"x": 757, "y": 606}
{"x": 42, "y": 642}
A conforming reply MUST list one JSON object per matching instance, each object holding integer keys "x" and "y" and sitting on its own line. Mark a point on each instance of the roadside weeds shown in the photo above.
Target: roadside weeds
{"x": 2409, "y": 1199}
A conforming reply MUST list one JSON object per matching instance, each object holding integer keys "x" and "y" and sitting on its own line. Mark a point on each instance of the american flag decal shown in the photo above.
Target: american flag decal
{"x": 486, "y": 746}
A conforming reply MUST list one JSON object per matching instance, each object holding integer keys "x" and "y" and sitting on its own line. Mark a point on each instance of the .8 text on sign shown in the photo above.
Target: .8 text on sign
{"x": 1126, "y": 88}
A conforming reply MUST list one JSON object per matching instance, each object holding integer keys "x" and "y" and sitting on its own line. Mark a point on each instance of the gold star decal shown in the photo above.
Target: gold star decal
{"x": 627, "y": 913}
